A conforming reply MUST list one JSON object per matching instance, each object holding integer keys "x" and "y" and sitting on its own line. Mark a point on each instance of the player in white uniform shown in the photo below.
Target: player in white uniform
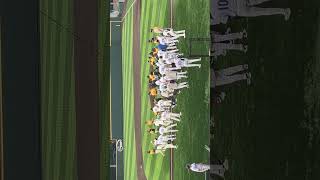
{"x": 198, "y": 167}
{"x": 167, "y": 40}
{"x": 170, "y": 116}
{"x": 157, "y": 122}
{"x": 169, "y": 57}
{"x": 157, "y": 109}
{"x": 167, "y": 146}
{"x": 177, "y": 86}
{"x": 163, "y": 140}
{"x": 174, "y": 75}
{"x": 169, "y": 32}
{"x": 223, "y": 9}
{"x": 168, "y": 129}
{"x": 217, "y": 169}
{"x": 165, "y": 103}
{"x": 169, "y": 137}
{"x": 166, "y": 94}
{"x": 184, "y": 62}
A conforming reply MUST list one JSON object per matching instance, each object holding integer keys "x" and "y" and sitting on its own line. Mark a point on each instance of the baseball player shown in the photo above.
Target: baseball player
{"x": 170, "y": 116}
{"x": 163, "y": 129}
{"x": 163, "y": 139}
{"x": 166, "y": 94}
{"x": 229, "y": 76}
{"x": 223, "y": 9}
{"x": 184, "y": 62}
{"x": 166, "y": 146}
{"x": 176, "y": 86}
{"x": 158, "y": 109}
{"x": 158, "y": 122}
{"x": 156, "y": 151}
{"x": 167, "y": 129}
{"x": 174, "y": 75}
{"x": 168, "y": 32}
{"x": 217, "y": 37}
{"x": 167, "y": 40}
{"x": 220, "y": 48}
{"x": 165, "y": 103}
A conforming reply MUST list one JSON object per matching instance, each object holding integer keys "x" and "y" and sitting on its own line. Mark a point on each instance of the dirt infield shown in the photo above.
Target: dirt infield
{"x": 137, "y": 89}
{"x": 86, "y": 83}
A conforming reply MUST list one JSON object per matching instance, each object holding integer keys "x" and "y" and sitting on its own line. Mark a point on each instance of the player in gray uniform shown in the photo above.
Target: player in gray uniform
{"x": 229, "y": 76}
{"x": 217, "y": 37}
{"x": 221, "y": 48}
{"x": 223, "y": 9}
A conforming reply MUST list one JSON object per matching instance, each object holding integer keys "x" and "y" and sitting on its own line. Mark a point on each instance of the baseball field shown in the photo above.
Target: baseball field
{"x": 58, "y": 89}
{"x": 193, "y": 102}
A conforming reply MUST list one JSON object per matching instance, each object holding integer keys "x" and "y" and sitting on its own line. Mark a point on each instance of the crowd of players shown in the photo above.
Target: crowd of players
{"x": 166, "y": 79}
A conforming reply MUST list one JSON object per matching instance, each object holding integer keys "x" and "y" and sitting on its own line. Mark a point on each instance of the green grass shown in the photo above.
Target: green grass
{"x": 193, "y": 103}
{"x": 130, "y": 170}
{"x": 153, "y": 13}
{"x": 57, "y": 91}
{"x": 269, "y": 129}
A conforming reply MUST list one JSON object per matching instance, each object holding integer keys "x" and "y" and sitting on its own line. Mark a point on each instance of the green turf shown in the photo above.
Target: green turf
{"x": 269, "y": 130}
{"x": 130, "y": 170}
{"x": 195, "y": 109}
{"x": 153, "y": 13}
{"x": 57, "y": 91}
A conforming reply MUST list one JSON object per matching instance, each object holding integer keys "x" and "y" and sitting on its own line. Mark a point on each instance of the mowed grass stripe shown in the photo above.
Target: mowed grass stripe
{"x": 159, "y": 161}
{"x": 60, "y": 121}
{"x": 51, "y": 88}
{"x": 125, "y": 98}
{"x": 127, "y": 61}
{"x": 67, "y": 57}
{"x": 128, "y": 45}
{"x": 128, "y": 96}
{"x": 131, "y": 130}
{"x": 144, "y": 65}
{"x": 156, "y": 20}
{"x": 57, "y": 94}
{"x": 131, "y": 148}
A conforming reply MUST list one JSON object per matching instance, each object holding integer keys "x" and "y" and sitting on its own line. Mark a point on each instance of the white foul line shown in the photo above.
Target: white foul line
{"x": 128, "y": 10}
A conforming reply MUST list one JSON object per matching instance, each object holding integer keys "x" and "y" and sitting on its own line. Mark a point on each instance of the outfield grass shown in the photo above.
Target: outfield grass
{"x": 57, "y": 91}
{"x": 193, "y": 103}
{"x": 269, "y": 130}
{"x": 130, "y": 170}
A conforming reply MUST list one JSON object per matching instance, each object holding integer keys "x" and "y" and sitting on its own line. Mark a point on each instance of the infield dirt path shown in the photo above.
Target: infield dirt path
{"x": 137, "y": 89}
